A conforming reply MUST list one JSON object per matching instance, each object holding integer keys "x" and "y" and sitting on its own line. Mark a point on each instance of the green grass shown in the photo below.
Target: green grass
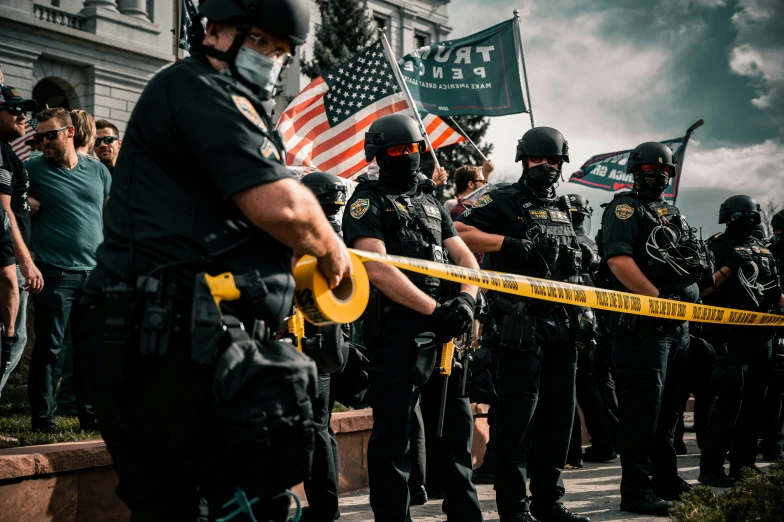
{"x": 15, "y": 419}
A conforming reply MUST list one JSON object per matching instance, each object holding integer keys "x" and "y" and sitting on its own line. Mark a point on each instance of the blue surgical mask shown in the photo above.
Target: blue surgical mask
{"x": 259, "y": 70}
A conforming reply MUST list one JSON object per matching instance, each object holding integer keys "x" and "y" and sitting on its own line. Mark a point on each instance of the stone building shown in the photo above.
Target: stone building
{"x": 97, "y": 55}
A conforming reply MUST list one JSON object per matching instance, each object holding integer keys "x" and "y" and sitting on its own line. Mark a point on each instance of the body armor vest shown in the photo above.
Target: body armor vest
{"x": 412, "y": 228}
{"x": 754, "y": 252}
{"x": 549, "y": 227}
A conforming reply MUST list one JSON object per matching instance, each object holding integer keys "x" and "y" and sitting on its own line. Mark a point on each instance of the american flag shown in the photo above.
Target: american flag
{"x": 186, "y": 12}
{"x": 21, "y": 149}
{"x": 324, "y": 126}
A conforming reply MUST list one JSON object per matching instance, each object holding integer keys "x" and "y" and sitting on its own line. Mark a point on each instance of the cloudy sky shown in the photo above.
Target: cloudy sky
{"x": 611, "y": 74}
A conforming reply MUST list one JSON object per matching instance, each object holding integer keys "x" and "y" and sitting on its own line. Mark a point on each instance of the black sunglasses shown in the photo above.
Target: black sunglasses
{"x": 15, "y": 111}
{"x": 106, "y": 139}
{"x": 51, "y": 135}
{"x": 748, "y": 213}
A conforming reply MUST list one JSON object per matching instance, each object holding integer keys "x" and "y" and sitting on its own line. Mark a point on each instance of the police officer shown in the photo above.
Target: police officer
{"x": 525, "y": 229}
{"x": 595, "y": 384}
{"x": 747, "y": 280}
{"x": 393, "y": 215}
{"x": 772, "y": 434}
{"x": 650, "y": 250}
{"x": 328, "y": 346}
{"x": 227, "y": 205}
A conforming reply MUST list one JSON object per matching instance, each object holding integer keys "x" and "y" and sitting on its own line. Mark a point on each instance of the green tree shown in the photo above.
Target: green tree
{"x": 463, "y": 153}
{"x": 345, "y": 29}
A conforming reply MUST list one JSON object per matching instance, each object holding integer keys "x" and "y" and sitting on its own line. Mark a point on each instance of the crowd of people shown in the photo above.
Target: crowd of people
{"x": 120, "y": 248}
{"x": 53, "y": 210}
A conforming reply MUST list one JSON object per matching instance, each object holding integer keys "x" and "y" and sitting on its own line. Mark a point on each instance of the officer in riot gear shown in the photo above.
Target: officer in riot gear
{"x": 747, "y": 279}
{"x": 525, "y": 229}
{"x": 329, "y": 347}
{"x": 393, "y": 215}
{"x": 595, "y": 383}
{"x": 772, "y": 433}
{"x": 174, "y": 376}
{"x": 649, "y": 249}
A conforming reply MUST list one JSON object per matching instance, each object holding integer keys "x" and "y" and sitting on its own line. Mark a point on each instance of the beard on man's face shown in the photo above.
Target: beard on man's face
{"x": 54, "y": 151}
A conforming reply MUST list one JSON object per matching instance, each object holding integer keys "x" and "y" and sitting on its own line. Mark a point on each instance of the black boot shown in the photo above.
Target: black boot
{"x": 418, "y": 496}
{"x": 648, "y": 504}
{"x": 558, "y": 513}
{"x": 671, "y": 489}
{"x": 716, "y": 479}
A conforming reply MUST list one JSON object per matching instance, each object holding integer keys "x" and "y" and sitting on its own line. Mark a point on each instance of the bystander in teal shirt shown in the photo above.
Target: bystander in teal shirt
{"x": 67, "y": 230}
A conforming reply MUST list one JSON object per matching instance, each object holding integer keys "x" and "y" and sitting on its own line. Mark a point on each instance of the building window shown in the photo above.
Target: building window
{"x": 421, "y": 40}
{"x": 380, "y": 21}
{"x": 55, "y": 3}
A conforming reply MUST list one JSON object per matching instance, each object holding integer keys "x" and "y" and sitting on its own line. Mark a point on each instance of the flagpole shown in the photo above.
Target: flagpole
{"x": 519, "y": 37}
{"x": 682, "y": 157}
{"x": 401, "y": 82}
{"x": 468, "y": 138}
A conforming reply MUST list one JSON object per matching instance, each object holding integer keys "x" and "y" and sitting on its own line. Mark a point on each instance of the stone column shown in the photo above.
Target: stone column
{"x": 105, "y": 4}
{"x": 134, "y": 8}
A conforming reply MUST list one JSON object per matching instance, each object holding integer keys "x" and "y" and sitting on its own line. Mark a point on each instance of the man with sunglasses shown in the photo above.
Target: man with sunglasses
{"x": 107, "y": 143}
{"x": 227, "y": 204}
{"x": 525, "y": 229}
{"x": 393, "y": 215}
{"x": 747, "y": 279}
{"x": 649, "y": 249}
{"x": 19, "y": 277}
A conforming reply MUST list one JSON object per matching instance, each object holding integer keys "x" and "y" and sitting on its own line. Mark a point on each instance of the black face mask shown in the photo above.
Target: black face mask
{"x": 543, "y": 176}
{"x": 740, "y": 228}
{"x": 651, "y": 183}
{"x": 402, "y": 168}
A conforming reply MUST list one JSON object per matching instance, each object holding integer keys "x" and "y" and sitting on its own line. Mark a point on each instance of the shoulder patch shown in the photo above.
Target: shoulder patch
{"x": 249, "y": 111}
{"x": 466, "y": 212}
{"x": 538, "y": 214}
{"x": 268, "y": 149}
{"x": 663, "y": 211}
{"x": 432, "y": 211}
{"x": 359, "y": 207}
{"x": 624, "y": 211}
{"x": 401, "y": 206}
{"x": 483, "y": 201}
{"x": 559, "y": 216}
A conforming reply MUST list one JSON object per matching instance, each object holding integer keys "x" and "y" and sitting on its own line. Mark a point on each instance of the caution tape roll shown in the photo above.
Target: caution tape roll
{"x": 322, "y": 306}
{"x": 569, "y": 293}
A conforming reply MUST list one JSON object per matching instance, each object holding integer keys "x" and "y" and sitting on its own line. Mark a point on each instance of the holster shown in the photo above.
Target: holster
{"x": 518, "y": 331}
{"x": 157, "y": 315}
{"x": 426, "y": 356}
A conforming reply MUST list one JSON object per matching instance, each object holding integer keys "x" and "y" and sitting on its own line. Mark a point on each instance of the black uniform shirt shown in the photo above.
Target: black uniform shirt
{"x": 515, "y": 212}
{"x": 369, "y": 214}
{"x": 626, "y": 227}
{"x": 732, "y": 294}
{"x": 196, "y": 138}
{"x": 14, "y": 181}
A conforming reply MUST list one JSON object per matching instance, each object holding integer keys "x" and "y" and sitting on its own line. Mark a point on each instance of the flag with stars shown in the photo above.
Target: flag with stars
{"x": 187, "y": 10}
{"x": 324, "y": 126}
{"x": 20, "y": 146}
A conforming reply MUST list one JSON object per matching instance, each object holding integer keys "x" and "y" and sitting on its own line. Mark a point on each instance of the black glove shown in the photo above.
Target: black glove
{"x": 587, "y": 251}
{"x": 521, "y": 248}
{"x": 453, "y": 318}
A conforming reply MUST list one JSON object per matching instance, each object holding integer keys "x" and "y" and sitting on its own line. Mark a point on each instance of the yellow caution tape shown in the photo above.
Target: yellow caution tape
{"x": 569, "y": 293}
{"x": 322, "y": 306}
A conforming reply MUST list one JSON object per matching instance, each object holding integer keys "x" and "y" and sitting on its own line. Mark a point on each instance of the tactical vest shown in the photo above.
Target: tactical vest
{"x": 414, "y": 230}
{"x": 549, "y": 227}
{"x": 753, "y": 250}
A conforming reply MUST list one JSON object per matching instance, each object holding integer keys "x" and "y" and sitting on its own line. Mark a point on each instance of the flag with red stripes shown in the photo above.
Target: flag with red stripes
{"x": 324, "y": 126}
{"x": 21, "y": 149}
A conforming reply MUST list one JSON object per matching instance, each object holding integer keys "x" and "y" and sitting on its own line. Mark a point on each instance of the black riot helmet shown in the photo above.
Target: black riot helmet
{"x": 396, "y": 142}
{"x": 330, "y": 190}
{"x": 744, "y": 206}
{"x": 652, "y": 164}
{"x": 551, "y": 149}
{"x": 777, "y": 221}
{"x": 578, "y": 204}
{"x": 285, "y": 19}
{"x": 390, "y": 130}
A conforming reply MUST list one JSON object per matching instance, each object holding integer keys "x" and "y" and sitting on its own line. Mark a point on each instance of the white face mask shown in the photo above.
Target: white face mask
{"x": 259, "y": 70}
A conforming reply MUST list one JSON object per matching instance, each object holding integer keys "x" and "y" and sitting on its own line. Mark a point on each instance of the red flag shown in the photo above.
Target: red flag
{"x": 324, "y": 126}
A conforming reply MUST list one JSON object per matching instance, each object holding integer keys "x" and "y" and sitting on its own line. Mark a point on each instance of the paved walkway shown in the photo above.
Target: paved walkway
{"x": 593, "y": 490}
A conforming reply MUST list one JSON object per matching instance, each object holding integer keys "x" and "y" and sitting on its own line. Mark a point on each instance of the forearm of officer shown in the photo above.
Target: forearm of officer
{"x": 630, "y": 276}
{"x": 462, "y": 256}
{"x": 719, "y": 277}
{"x": 392, "y": 282}
{"x": 291, "y": 214}
{"x": 478, "y": 241}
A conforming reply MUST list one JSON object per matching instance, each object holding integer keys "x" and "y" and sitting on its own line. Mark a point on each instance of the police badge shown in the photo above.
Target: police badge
{"x": 624, "y": 211}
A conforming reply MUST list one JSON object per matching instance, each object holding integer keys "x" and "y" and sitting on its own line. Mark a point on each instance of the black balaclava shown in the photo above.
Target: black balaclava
{"x": 398, "y": 170}
{"x": 740, "y": 228}
{"x": 651, "y": 184}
